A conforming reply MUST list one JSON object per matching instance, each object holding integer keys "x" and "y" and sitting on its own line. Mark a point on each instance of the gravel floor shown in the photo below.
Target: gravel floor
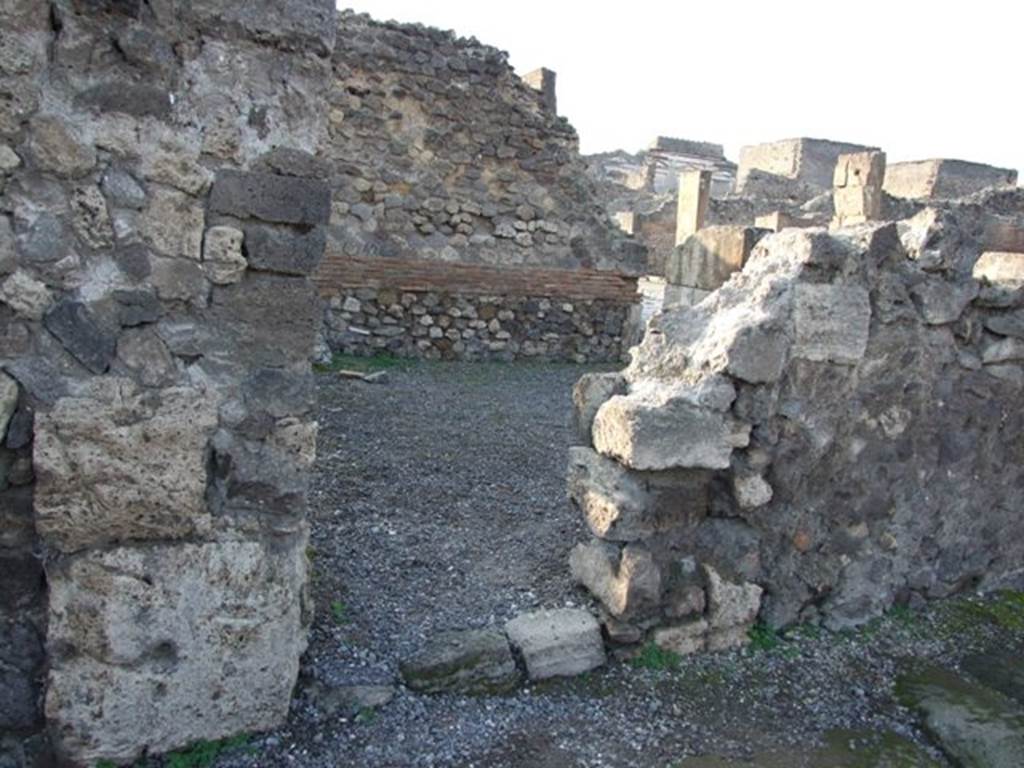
{"x": 439, "y": 503}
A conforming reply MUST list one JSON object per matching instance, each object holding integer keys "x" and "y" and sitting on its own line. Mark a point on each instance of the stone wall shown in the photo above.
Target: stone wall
{"x": 440, "y": 311}
{"x": 158, "y": 222}
{"x": 944, "y": 179}
{"x": 835, "y": 430}
{"x": 439, "y": 153}
{"x": 443, "y": 326}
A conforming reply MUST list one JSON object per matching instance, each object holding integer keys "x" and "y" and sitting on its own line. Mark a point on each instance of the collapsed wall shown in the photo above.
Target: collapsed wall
{"x": 835, "y": 429}
{"x": 463, "y": 223}
{"x": 159, "y": 218}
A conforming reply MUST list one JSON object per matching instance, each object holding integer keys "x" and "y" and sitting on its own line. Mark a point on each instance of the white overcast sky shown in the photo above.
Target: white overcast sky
{"x": 919, "y": 79}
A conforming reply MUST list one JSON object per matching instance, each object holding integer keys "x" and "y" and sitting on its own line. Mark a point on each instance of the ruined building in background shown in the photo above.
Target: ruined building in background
{"x": 710, "y": 247}
{"x": 776, "y": 185}
{"x": 632, "y": 180}
{"x": 639, "y": 190}
{"x": 944, "y": 179}
{"x": 791, "y": 179}
{"x": 792, "y": 168}
{"x": 463, "y": 223}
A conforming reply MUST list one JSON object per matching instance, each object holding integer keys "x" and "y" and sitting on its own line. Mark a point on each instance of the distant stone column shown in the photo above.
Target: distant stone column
{"x": 857, "y": 188}
{"x": 543, "y": 80}
{"x": 694, "y": 193}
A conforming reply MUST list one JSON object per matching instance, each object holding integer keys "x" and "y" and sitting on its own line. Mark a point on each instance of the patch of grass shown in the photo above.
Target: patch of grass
{"x": 340, "y": 612}
{"x": 804, "y": 631}
{"x": 902, "y": 614}
{"x": 657, "y": 659}
{"x": 204, "y": 753}
{"x": 366, "y": 715}
{"x": 105, "y": 764}
{"x": 719, "y": 675}
{"x": 1004, "y": 610}
{"x": 869, "y": 630}
{"x": 341, "y": 362}
{"x": 763, "y": 638}
{"x": 1007, "y": 610}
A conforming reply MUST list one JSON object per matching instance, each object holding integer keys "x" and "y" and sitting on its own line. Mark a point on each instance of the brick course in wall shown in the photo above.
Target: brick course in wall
{"x": 414, "y": 308}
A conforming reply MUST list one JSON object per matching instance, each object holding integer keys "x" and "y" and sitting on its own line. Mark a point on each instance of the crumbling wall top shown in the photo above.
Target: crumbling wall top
{"x": 687, "y": 147}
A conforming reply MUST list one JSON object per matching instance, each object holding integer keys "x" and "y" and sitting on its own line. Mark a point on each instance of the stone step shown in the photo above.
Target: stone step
{"x": 470, "y": 661}
{"x": 977, "y": 726}
{"x": 842, "y": 749}
{"x": 1000, "y": 670}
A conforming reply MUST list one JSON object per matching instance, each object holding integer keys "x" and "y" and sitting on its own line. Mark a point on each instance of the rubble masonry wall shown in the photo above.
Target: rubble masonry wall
{"x": 834, "y": 430}
{"x": 160, "y": 214}
{"x": 442, "y": 159}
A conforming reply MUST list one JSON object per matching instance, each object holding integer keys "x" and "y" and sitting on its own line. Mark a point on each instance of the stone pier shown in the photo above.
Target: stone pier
{"x": 692, "y": 203}
{"x": 857, "y": 188}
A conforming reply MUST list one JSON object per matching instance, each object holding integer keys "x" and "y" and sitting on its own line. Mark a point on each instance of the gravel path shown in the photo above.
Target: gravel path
{"x": 439, "y": 503}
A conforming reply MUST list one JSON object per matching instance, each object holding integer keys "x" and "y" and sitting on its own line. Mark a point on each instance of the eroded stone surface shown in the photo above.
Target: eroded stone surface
{"x": 975, "y": 725}
{"x": 626, "y": 506}
{"x": 57, "y": 148}
{"x": 223, "y": 261}
{"x": 123, "y": 467}
{"x": 158, "y": 510}
{"x": 831, "y": 322}
{"x": 8, "y": 401}
{"x": 557, "y": 642}
{"x": 588, "y": 395}
{"x": 829, "y": 356}
{"x": 683, "y": 639}
{"x": 25, "y": 295}
{"x": 467, "y": 661}
{"x": 669, "y": 429}
{"x": 730, "y": 605}
{"x": 627, "y": 581}
{"x": 154, "y": 648}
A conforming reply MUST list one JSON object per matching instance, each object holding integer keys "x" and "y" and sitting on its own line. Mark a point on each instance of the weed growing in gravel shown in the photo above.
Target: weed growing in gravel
{"x": 719, "y": 675}
{"x": 867, "y": 631}
{"x": 763, "y": 638}
{"x": 902, "y": 614}
{"x": 340, "y": 612}
{"x": 366, "y": 715}
{"x": 658, "y": 659}
{"x": 1004, "y": 609}
{"x": 204, "y": 753}
{"x": 804, "y": 631}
